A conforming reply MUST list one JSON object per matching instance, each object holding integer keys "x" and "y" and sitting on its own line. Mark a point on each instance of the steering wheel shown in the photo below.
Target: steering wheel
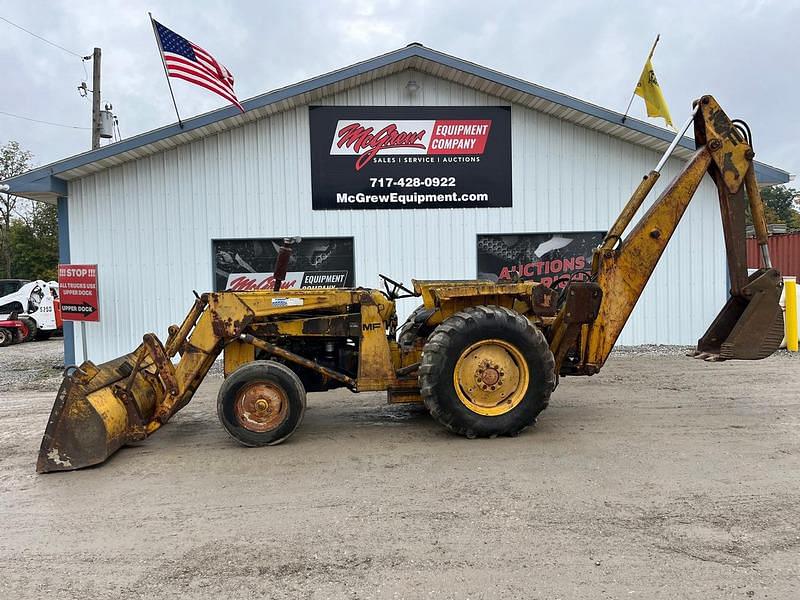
{"x": 392, "y": 291}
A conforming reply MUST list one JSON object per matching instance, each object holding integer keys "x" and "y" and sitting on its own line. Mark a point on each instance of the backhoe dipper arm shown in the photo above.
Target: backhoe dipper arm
{"x": 622, "y": 267}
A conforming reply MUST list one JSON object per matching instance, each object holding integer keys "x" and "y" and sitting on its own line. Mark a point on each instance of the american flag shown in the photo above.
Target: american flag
{"x": 188, "y": 61}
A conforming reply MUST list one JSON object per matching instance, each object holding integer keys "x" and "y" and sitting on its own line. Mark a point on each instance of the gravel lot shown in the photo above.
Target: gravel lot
{"x": 662, "y": 477}
{"x": 32, "y": 366}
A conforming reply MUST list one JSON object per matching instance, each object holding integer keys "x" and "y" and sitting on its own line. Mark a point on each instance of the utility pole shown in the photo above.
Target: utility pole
{"x": 96, "y": 99}
{"x": 95, "y": 143}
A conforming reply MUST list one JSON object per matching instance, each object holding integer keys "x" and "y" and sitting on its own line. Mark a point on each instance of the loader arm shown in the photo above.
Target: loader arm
{"x": 100, "y": 408}
{"x": 750, "y": 325}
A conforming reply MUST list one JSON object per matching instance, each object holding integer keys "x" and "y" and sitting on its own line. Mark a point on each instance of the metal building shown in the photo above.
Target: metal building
{"x": 151, "y": 211}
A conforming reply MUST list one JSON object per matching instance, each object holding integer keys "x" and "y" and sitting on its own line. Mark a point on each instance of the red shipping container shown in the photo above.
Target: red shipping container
{"x": 784, "y": 251}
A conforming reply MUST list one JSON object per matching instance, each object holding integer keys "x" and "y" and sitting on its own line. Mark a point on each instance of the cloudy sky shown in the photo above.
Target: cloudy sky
{"x": 746, "y": 53}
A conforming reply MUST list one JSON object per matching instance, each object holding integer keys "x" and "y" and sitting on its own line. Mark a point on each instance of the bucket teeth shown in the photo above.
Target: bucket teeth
{"x": 706, "y": 356}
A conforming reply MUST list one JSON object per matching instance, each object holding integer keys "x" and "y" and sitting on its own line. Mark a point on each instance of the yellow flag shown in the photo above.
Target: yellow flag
{"x": 649, "y": 89}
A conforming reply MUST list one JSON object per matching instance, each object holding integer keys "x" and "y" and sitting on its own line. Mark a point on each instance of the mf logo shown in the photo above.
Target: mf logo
{"x": 371, "y": 326}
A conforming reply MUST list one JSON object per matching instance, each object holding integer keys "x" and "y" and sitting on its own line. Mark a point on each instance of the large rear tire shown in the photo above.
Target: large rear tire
{"x": 486, "y": 371}
{"x": 261, "y": 403}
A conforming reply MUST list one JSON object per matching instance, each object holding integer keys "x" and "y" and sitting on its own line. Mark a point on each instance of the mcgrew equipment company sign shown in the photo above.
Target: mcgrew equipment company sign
{"x": 370, "y": 157}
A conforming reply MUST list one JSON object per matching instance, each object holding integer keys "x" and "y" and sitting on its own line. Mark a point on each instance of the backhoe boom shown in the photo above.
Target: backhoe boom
{"x": 750, "y": 325}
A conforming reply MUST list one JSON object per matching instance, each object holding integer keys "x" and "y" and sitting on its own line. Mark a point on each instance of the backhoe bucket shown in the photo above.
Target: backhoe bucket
{"x": 97, "y": 410}
{"x": 750, "y": 325}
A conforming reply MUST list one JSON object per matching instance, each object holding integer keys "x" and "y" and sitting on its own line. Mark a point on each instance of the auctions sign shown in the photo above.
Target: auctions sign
{"x": 553, "y": 259}
{"x": 410, "y": 157}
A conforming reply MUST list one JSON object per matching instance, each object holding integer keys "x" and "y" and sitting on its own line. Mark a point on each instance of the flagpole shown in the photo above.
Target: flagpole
{"x": 633, "y": 95}
{"x": 166, "y": 72}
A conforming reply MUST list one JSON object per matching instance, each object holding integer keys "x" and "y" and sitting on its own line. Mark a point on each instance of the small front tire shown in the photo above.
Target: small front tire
{"x": 261, "y": 403}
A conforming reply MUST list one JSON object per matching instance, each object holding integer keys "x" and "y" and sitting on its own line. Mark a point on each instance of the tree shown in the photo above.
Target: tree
{"x": 13, "y": 161}
{"x": 34, "y": 243}
{"x": 784, "y": 203}
{"x": 781, "y": 205}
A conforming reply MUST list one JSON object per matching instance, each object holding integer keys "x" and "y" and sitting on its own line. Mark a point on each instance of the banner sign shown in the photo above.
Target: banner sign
{"x": 247, "y": 264}
{"x": 297, "y": 279}
{"x": 549, "y": 258}
{"x": 77, "y": 291}
{"x": 377, "y": 157}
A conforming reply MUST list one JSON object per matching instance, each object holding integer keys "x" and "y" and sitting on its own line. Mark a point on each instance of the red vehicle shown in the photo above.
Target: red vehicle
{"x": 12, "y": 331}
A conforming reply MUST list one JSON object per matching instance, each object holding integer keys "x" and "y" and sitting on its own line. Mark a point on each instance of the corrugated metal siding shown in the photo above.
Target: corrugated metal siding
{"x": 784, "y": 252}
{"x": 149, "y": 223}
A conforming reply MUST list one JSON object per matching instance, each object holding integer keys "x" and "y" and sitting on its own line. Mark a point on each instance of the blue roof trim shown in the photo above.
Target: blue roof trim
{"x": 770, "y": 174}
{"x": 33, "y": 182}
{"x": 48, "y": 173}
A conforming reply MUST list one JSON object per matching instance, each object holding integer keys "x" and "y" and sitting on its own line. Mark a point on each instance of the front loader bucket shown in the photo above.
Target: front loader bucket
{"x": 750, "y": 325}
{"x": 97, "y": 410}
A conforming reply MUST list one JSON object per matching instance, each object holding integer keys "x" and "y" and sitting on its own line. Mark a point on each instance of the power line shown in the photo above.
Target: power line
{"x": 8, "y": 114}
{"x": 41, "y": 38}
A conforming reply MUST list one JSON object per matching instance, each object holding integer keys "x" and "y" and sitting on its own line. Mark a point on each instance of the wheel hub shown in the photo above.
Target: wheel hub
{"x": 261, "y": 407}
{"x": 491, "y": 377}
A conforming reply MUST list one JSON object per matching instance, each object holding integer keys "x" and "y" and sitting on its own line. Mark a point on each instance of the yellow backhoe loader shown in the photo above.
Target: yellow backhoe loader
{"x": 484, "y": 357}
